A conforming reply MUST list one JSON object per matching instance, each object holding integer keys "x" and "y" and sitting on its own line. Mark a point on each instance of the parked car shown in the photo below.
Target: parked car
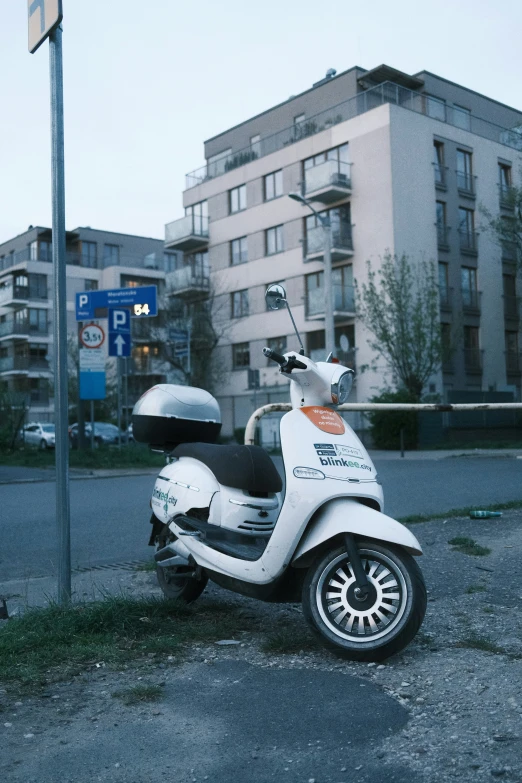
{"x": 38, "y": 434}
{"x": 104, "y": 434}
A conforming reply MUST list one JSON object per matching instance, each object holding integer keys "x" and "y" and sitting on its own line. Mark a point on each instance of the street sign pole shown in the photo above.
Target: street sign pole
{"x": 118, "y": 375}
{"x": 60, "y": 318}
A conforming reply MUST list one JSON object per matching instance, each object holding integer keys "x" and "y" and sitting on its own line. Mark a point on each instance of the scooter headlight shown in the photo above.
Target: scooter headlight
{"x": 341, "y": 387}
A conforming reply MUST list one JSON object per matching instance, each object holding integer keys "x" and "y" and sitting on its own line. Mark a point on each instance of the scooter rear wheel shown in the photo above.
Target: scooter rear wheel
{"x": 380, "y": 625}
{"x": 177, "y": 583}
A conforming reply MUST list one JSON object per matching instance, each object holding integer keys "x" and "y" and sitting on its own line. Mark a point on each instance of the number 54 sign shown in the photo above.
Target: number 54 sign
{"x": 141, "y": 309}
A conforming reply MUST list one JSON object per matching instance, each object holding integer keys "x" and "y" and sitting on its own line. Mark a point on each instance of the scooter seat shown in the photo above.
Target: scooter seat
{"x": 242, "y": 467}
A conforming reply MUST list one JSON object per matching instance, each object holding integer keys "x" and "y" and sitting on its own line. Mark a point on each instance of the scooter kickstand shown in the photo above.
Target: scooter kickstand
{"x": 363, "y": 586}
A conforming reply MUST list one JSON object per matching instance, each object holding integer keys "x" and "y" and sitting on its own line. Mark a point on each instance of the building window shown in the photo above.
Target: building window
{"x": 468, "y": 286}
{"x": 443, "y": 284}
{"x": 315, "y": 343}
{"x": 511, "y": 305}
{"x": 442, "y": 228}
{"x": 240, "y": 355}
{"x": 464, "y": 171}
{"x": 255, "y": 145}
{"x": 277, "y": 344}
{"x": 90, "y": 254}
{"x": 339, "y": 154}
{"x": 435, "y": 108}
{"x": 299, "y": 118}
{"x": 111, "y": 255}
{"x": 38, "y": 321}
{"x": 467, "y": 229}
{"x": 239, "y": 302}
{"x": 238, "y": 251}
{"x": 472, "y": 356}
{"x": 90, "y": 285}
{"x": 199, "y": 213}
{"x": 237, "y": 199}
{"x": 37, "y": 286}
{"x": 128, "y": 281}
{"x": 440, "y": 169}
{"x": 512, "y": 355}
{"x": 504, "y": 180}
{"x": 446, "y": 347}
{"x": 274, "y": 185}
{"x": 46, "y": 251}
{"x": 273, "y": 240}
{"x": 169, "y": 262}
{"x": 462, "y": 117}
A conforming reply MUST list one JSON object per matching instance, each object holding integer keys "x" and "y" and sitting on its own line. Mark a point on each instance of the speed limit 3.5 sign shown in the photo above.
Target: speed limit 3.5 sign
{"x": 92, "y": 336}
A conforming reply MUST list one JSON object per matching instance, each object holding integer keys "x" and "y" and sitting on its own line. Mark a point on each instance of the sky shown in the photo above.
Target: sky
{"x": 145, "y": 83}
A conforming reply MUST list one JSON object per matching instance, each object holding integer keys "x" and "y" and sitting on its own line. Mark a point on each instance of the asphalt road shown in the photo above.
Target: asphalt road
{"x": 110, "y": 517}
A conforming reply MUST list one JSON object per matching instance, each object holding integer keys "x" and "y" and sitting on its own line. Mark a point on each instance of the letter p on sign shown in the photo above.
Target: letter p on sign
{"x": 82, "y": 300}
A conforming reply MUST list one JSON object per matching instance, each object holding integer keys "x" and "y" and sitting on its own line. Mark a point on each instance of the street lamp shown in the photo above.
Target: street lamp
{"x": 324, "y": 220}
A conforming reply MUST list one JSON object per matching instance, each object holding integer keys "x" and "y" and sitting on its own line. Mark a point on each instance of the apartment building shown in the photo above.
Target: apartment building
{"x": 95, "y": 260}
{"x": 402, "y": 163}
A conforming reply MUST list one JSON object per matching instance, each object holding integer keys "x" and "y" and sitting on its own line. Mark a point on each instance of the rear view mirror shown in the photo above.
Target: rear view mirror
{"x": 275, "y": 297}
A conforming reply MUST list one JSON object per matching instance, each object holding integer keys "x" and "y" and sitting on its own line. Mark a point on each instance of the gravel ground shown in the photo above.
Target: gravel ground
{"x": 460, "y": 681}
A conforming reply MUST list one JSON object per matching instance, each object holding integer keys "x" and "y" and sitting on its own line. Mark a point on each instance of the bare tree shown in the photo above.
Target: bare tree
{"x": 399, "y": 305}
{"x": 507, "y": 228}
{"x": 13, "y": 409}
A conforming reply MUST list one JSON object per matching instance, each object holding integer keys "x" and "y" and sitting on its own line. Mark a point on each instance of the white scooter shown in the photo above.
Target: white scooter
{"x": 220, "y": 513}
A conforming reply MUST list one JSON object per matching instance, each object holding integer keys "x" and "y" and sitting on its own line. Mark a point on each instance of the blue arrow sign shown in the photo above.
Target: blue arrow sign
{"x": 119, "y": 321}
{"x": 119, "y": 344}
{"x": 141, "y": 300}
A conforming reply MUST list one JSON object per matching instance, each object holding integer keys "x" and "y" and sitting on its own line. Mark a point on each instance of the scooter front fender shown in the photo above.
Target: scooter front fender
{"x": 346, "y": 515}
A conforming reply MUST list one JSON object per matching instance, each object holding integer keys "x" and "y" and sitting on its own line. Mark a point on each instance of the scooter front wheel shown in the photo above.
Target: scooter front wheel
{"x": 177, "y": 582}
{"x": 381, "y": 624}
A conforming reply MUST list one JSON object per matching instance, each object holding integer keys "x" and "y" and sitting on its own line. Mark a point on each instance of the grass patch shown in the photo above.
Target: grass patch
{"x": 150, "y": 566}
{"x": 288, "y": 640}
{"x": 413, "y": 519}
{"x": 51, "y": 644}
{"x": 139, "y": 694}
{"x": 475, "y": 589}
{"x": 130, "y": 456}
{"x": 480, "y": 643}
{"x": 467, "y": 546}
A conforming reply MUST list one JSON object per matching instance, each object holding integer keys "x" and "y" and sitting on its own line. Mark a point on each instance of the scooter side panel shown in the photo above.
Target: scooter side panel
{"x": 344, "y": 515}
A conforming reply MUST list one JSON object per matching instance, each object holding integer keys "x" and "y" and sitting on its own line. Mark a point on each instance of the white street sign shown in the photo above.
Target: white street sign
{"x": 44, "y": 16}
{"x": 92, "y": 361}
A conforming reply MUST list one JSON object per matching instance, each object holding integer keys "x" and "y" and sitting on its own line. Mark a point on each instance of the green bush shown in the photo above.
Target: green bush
{"x": 385, "y": 426}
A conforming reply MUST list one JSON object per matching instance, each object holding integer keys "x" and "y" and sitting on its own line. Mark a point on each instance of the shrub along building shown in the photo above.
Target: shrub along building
{"x": 402, "y": 164}
{"x": 95, "y": 260}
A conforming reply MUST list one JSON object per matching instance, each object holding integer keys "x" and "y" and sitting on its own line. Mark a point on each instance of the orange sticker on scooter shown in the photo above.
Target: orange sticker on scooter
{"x": 325, "y": 419}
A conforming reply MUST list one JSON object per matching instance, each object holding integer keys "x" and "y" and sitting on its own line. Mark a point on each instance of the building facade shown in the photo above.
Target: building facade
{"x": 95, "y": 260}
{"x": 403, "y": 164}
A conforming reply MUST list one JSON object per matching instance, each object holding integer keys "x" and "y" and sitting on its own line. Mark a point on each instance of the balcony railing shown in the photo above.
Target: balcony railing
{"x": 341, "y": 242}
{"x": 8, "y": 328}
{"x": 343, "y": 302}
{"x": 388, "y": 92}
{"x": 13, "y": 294}
{"x": 466, "y": 183}
{"x": 512, "y": 307}
{"x": 468, "y": 242}
{"x": 509, "y": 251}
{"x": 23, "y": 364}
{"x": 188, "y": 281}
{"x": 329, "y": 181}
{"x": 506, "y": 197}
{"x": 441, "y": 176}
{"x": 473, "y": 360}
{"x": 445, "y": 298}
{"x": 187, "y": 233}
{"x": 443, "y": 236}
{"x": 513, "y": 363}
{"x": 470, "y": 300}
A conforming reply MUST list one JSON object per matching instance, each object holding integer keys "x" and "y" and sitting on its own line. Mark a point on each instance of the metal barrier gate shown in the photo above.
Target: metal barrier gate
{"x": 283, "y": 407}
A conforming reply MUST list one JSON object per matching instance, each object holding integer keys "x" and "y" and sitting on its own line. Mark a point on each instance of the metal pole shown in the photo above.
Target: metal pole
{"x": 402, "y": 441}
{"x": 118, "y": 402}
{"x": 60, "y": 318}
{"x": 92, "y": 424}
{"x": 189, "y": 356}
{"x": 329, "y": 331}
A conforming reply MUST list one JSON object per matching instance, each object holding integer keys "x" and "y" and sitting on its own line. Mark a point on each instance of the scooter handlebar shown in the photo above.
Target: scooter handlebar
{"x": 287, "y": 364}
